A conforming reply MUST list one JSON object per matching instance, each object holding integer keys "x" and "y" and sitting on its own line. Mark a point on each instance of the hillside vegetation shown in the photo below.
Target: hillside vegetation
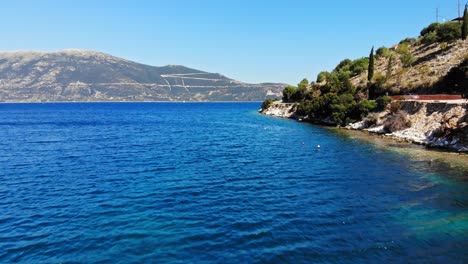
{"x": 434, "y": 62}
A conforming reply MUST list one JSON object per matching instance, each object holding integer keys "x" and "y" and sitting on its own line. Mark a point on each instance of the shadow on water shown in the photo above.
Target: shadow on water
{"x": 437, "y": 195}
{"x": 453, "y": 166}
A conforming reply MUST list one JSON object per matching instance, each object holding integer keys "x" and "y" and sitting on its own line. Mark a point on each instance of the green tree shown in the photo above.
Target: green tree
{"x": 359, "y": 66}
{"x": 402, "y": 48}
{"x": 389, "y": 67}
{"x": 288, "y": 92}
{"x": 382, "y": 102}
{"x": 323, "y": 76}
{"x": 408, "y": 41}
{"x": 370, "y": 73}
{"x": 303, "y": 84}
{"x": 430, "y": 38}
{"x": 363, "y": 108}
{"x": 449, "y": 32}
{"x": 446, "y": 32}
{"x": 407, "y": 59}
{"x": 383, "y": 52}
{"x": 344, "y": 65}
{"x": 429, "y": 29}
{"x": 465, "y": 23}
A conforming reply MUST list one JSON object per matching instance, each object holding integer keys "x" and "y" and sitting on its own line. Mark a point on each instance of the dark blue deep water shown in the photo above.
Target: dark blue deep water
{"x": 215, "y": 183}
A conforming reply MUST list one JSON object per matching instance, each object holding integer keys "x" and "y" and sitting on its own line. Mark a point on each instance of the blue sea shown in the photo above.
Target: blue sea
{"x": 218, "y": 183}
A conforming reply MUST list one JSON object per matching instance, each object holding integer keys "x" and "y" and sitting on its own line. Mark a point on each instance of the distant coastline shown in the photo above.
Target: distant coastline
{"x": 84, "y": 102}
{"x": 86, "y": 75}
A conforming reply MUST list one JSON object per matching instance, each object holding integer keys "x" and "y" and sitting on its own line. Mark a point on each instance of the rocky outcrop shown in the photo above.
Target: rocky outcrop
{"x": 433, "y": 124}
{"x": 289, "y": 110}
{"x": 279, "y": 109}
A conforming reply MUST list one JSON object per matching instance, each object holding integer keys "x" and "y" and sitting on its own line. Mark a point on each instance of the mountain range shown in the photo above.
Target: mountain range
{"x": 82, "y": 75}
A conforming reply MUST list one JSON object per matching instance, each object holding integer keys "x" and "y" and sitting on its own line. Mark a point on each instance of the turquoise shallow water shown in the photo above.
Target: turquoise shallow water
{"x": 215, "y": 183}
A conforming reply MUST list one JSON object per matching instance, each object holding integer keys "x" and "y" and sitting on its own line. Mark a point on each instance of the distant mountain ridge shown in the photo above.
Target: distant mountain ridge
{"x": 83, "y": 75}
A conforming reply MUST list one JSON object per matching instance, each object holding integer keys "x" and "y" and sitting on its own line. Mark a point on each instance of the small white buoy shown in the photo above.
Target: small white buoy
{"x": 318, "y": 146}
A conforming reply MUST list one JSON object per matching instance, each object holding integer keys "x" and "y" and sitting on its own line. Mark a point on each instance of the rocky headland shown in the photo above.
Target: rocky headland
{"x": 414, "y": 91}
{"x": 442, "y": 125}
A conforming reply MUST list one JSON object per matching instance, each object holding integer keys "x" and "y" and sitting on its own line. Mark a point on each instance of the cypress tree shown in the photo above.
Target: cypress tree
{"x": 389, "y": 67}
{"x": 370, "y": 73}
{"x": 465, "y": 23}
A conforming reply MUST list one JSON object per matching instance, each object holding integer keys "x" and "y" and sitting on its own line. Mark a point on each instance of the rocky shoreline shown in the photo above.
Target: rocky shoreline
{"x": 439, "y": 125}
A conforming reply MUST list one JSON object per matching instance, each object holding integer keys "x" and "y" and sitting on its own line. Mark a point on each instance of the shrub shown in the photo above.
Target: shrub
{"x": 359, "y": 66}
{"x": 446, "y": 32}
{"x": 449, "y": 32}
{"x": 425, "y": 70}
{"x": 430, "y": 38}
{"x": 383, "y": 52}
{"x": 443, "y": 46}
{"x": 402, "y": 48}
{"x": 429, "y": 29}
{"x": 407, "y": 59}
{"x": 408, "y": 41}
{"x": 397, "y": 122}
{"x": 267, "y": 103}
{"x": 382, "y": 103}
{"x": 380, "y": 79}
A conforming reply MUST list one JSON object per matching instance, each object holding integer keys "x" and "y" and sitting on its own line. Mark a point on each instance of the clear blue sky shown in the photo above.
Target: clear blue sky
{"x": 251, "y": 41}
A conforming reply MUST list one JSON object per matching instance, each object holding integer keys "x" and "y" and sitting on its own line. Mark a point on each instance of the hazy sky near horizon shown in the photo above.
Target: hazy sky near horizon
{"x": 251, "y": 41}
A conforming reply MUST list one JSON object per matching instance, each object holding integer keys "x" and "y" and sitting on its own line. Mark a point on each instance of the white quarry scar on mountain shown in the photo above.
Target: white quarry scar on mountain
{"x": 170, "y": 87}
{"x": 150, "y": 84}
{"x": 185, "y": 87}
{"x": 185, "y": 76}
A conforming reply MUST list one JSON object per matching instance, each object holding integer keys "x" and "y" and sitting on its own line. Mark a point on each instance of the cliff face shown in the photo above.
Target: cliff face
{"x": 434, "y": 124}
{"x": 81, "y": 75}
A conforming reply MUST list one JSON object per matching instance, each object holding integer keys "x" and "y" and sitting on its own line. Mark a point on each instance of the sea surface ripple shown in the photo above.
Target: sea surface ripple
{"x": 215, "y": 183}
